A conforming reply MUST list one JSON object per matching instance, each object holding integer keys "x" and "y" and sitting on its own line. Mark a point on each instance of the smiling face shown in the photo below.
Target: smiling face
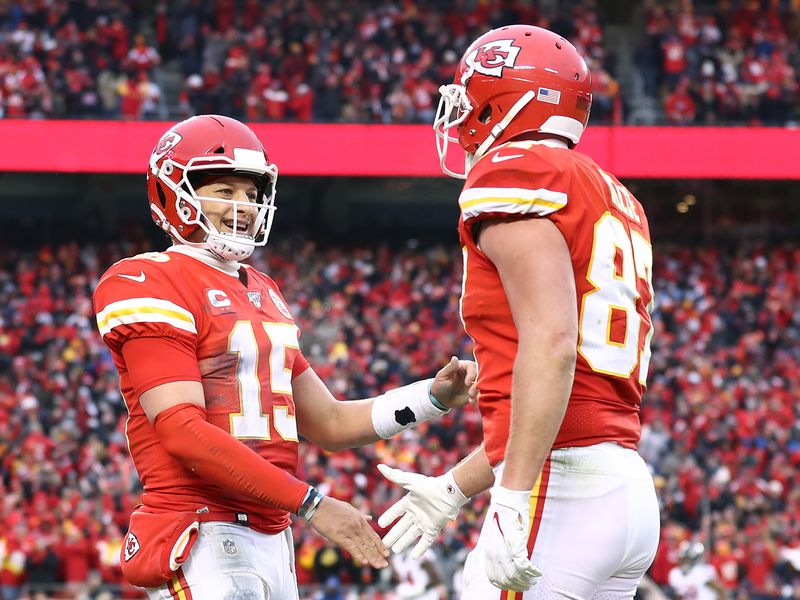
{"x": 225, "y": 216}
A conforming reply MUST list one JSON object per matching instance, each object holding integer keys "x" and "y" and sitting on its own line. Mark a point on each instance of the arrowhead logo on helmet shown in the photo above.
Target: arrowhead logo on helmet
{"x": 492, "y": 57}
{"x": 166, "y": 143}
{"x": 164, "y": 147}
{"x": 512, "y": 81}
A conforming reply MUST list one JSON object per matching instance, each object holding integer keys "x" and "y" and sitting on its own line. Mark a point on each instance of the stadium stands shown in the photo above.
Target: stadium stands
{"x": 730, "y": 63}
{"x": 720, "y": 63}
{"x": 720, "y": 415}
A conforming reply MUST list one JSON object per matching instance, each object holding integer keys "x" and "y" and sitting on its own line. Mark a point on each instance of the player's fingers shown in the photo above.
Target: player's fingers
{"x": 470, "y": 371}
{"x": 357, "y": 553}
{"x": 522, "y": 574}
{"x": 473, "y": 394}
{"x": 408, "y": 538}
{"x": 376, "y": 551}
{"x": 422, "y": 547}
{"x": 396, "y": 532}
{"x": 523, "y": 583}
{"x": 531, "y": 570}
{"x": 448, "y": 371}
{"x": 395, "y": 511}
{"x": 397, "y": 476}
{"x": 511, "y": 580}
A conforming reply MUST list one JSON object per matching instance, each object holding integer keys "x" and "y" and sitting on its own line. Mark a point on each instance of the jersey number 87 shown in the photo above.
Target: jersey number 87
{"x": 614, "y": 337}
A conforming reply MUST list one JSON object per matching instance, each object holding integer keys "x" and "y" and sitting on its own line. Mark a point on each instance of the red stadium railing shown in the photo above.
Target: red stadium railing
{"x": 405, "y": 150}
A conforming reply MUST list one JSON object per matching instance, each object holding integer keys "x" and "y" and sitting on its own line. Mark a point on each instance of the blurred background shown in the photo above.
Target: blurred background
{"x": 696, "y": 106}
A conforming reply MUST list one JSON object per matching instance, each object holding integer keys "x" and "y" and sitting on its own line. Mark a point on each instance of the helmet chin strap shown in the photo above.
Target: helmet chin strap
{"x": 501, "y": 126}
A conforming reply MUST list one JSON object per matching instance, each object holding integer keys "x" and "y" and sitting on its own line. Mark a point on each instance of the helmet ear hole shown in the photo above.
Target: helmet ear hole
{"x": 486, "y": 115}
{"x": 219, "y": 150}
{"x": 161, "y": 196}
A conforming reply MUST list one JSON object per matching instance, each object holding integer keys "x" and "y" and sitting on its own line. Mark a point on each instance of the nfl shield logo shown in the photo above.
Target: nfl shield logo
{"x": 279, "y": 304}
{"x": 255, "y": 298}
{"x": 229, "y": 546}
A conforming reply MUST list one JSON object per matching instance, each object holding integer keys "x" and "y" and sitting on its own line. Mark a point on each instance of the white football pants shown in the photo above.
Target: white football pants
{"x": 233, "y": 562}
{"x": 594, "y": 528}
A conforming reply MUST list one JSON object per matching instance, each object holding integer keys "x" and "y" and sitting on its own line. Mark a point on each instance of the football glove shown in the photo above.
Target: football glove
{"x": 505, "y": 540}
{"x": 425, "y": 510}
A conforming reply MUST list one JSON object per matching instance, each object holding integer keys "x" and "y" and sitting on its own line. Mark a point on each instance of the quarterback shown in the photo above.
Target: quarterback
{"x": 557, "y": 296}
{"x": 218, "y": 391}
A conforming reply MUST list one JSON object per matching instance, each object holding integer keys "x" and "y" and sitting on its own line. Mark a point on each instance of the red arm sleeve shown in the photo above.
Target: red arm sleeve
{"x": 220, "y": 458}
{"x": 145, "y": 359}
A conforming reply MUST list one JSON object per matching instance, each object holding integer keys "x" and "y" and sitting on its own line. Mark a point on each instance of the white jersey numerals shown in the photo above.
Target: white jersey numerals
{"x": 620, "y": 271}
{"x": 251, "y": 422}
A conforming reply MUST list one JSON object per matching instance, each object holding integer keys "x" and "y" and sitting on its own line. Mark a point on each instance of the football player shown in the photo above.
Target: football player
{"x": 557, "y": 296}
{"x": 218, "y": 390}
{"x": 693, "y": 578}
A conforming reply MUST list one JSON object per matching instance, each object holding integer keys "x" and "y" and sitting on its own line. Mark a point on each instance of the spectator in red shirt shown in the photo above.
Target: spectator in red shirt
{"x": 142, "y": 57}
{"x": 130, "y": 98}
{"x": 77, "y": 557}
{"x": 680, "y": 106}
{"x": 674, "y": 51}
{"x": 301, "y": 102}
{"x": 726, "y": 560}
{"x": 759, "y": 562}
{"x": 276, "y": 101}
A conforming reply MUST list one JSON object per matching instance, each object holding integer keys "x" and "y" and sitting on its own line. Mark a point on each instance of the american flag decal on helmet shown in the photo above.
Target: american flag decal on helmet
{"x": 548, "y": 95}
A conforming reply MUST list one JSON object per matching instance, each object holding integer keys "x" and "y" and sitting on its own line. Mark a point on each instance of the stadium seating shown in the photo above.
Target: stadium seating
{"x": 720, "y": 415}
{"x": 380, "y": 62}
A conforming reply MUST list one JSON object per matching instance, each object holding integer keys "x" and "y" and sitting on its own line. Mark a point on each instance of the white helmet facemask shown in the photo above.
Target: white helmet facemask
{"x": 249, "y": 228}
{"x": 452, "y": 110}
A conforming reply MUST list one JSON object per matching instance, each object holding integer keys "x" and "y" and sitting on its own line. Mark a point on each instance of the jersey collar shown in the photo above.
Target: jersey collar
{"x": 228, "y": 267}
{"x": 551, "y": 142}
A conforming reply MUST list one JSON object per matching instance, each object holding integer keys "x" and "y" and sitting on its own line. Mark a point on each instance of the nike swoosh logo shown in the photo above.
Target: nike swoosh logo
{"x": 137, "y": 278}
{"x": 497, "y": 158}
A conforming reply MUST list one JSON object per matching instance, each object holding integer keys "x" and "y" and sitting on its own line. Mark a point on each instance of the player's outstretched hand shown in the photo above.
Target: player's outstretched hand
{"x": 454, "y": 384}
{"x": 427, "y": 507}
{"x": 346, "y": 527}
{"x": 506, "y": 541}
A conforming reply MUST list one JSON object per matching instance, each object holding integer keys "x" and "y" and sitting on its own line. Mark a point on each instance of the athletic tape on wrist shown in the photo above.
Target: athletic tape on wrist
{"x": 403, "y": 408}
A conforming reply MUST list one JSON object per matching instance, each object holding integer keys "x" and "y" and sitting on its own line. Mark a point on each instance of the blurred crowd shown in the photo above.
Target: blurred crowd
{"x": 726, "y": 63}
{"x": 720, "y": 417}
{"x": 705, "y": 61}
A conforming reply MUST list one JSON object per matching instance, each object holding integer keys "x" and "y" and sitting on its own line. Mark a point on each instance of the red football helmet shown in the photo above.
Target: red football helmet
{"x": 513, "y": 80}
{"x": 214, "y": 145}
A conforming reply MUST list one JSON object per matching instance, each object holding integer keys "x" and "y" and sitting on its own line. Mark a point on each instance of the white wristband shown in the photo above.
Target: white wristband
{"x": 403, "y": 408}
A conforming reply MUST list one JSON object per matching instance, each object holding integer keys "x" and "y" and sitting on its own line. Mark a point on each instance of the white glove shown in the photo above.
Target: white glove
{"x": 505, "y": 539}
{"x": 430, "y": 503}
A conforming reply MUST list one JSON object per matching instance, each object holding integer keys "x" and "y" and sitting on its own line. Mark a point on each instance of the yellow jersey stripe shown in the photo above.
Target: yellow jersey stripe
{"x": 143, "y": 310}
{"x": 517, "y": 201}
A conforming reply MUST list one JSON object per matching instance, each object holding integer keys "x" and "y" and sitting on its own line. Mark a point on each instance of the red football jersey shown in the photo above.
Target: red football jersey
{"x": 609, "y": 241}
{"x": 246, "y": 352}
